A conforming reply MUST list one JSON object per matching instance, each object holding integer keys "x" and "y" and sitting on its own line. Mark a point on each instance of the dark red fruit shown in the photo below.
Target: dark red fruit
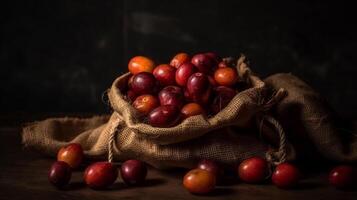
{"x": 164, "y": 116}
{"x": 100, "y": 175}
{"x": 222, "y": 96}
{"x": 204, "y": 63}
{"x": 210, "y": 166}
{"x": 253, "y": 170}
{"x": 130, "y": 95}
{"x": 60, "y": 174}
{"x": 343, "y": 176}
{"x": 197, "y": 84}
{"x": 184, "y": 72}
{"x": 165, "y": 74}
{"x": 133, "y": 172}
{"x": 285, "y": 175}
{"x": 144, "y": 83}
{"x": 214, "y": 57}
{"x": 172, "y": 95}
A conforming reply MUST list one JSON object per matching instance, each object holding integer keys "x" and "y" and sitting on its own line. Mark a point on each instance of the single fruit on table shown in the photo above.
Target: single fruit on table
{"x": 226, "y": 76}
{"x": 253, "y": 170}
{"x": 210, "y": 166}
{"x": 60, "y": 174}
{"x": 144, "y": 83}
{"x": 164, "y": 116}
{"x": 133, "y": 172}
{"x": 222, "y": 96}
{"x": 184, "y": 72}
{"x": 191, "y": 109}
{"x": 165, "y": 74}
{"x": 197, "y": 84}
{"x": 179, "y": 59}
{"x": 199, "y": 181}
{"x": 131, "y": 96}
{"x": 172, "y": 95}
{"x": 140, "y": 64}
{"x": 100, "y": 175}
{"x": 204, "y": 63}
{"x": 146, "y": 103}
{"x": 343, "y": 176}
{"x": 72, "y": 154}
{"x": 285, "y": 175}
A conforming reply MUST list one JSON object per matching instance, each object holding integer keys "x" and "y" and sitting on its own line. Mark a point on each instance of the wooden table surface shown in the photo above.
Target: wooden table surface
{"x": 23, "y": 175}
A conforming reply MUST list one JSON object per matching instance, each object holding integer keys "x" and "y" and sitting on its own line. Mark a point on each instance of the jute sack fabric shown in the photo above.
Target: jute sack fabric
{"x": 226, "y": 137}
{"x": 310, "y": 123}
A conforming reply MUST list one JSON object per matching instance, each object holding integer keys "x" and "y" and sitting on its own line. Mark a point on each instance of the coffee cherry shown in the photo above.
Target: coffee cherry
{"x": 343, "y": 176}
{"x": 133, "y": 172}
{"x": 199, "y": 181}
{"x": 72, "y": 154}
{"x": 140, "y": 64}
{"x": 285, "y": 175}
{"x": 60, "y": 174}
{"x": 253, "y": 170}
{"x": 179, "y": 59}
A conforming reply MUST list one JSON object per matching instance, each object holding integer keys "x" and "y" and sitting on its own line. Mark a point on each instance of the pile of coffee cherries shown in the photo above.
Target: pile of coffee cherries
{"x": 166, "y": 94}
{"x": 98, "y": 175}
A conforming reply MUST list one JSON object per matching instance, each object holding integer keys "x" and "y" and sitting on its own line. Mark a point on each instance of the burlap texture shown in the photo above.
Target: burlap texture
{"x": 225, "y": 137}
{"x": 310, "y": 123}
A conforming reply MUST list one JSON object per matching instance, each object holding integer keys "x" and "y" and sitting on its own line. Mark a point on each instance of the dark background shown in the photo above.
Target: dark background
{"x": 61, "y": 55}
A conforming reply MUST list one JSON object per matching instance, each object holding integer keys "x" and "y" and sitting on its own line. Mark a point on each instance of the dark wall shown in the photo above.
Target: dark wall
{"x": 62, "y": 55}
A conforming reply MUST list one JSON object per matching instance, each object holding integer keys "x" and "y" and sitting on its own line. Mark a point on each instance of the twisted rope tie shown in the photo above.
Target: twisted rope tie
{"x": 279, "y": 156}
{"x": 111, "y": 144}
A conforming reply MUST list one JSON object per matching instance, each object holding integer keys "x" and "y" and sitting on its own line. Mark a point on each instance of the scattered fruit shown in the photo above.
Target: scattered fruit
{"x": 179, "y": 59}
{"x": 146, "y": 103}
{"x": 100, "y": 175}
{"x": 144, "y": 83}
{"x": 343, "y": 176}
{"x": 199, "y": 181}
{"x": 253, "y": 170}
{"x": 60, "y": 174}
{"x": 165, "y": 74}
{"x": 191, "y": 109}
{"x": 285, "y": 175}
{"x": 133, "y": 172}
{"x": 140, "y": 64}
{"x": 72, "y": 154}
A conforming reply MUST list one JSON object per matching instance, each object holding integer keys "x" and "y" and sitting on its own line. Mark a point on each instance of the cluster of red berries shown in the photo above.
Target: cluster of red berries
{"x": 168, "y": 93}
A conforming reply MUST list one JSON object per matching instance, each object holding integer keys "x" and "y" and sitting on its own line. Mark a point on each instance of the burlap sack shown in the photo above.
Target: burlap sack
{"x": 224, "y": 137}
{"x": 310, "y": 123}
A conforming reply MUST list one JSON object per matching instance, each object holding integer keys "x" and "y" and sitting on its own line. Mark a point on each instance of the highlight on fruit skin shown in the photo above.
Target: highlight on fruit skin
{"x": 199, "y": 181}
{"x": 139, "y": 64}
